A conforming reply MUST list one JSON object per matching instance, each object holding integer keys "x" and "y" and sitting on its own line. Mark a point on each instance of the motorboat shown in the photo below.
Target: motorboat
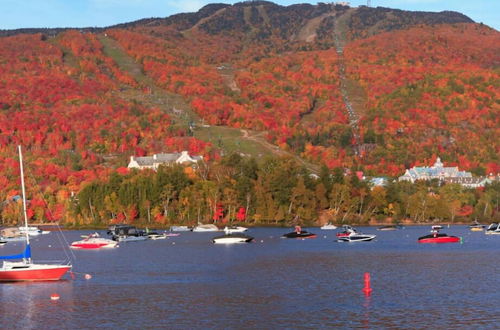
{"x": 155, "y": 235}
{"x": 436, "y": 237}
{"x": 232, "y": 238}
{"x": 26, "y": 269}
{"x": 299, "y": 233}
{"x": 32, "y": 231}
{"x": 352, "y": 235}
{"x": 204, "y": 228}
{"x": 476, "y": 226}
{"x": 328, "y": 226}
{"x": 235, "y": 229}
{"x": 2, "y": 241}
{"x": 12, "y": 234}
{"x": 180, "y": 228}
{"x": 493, "y": 229}
{"x": 94, "y": 241}
{"x": 389, "y": 227}
{"x": 126, "y": 233}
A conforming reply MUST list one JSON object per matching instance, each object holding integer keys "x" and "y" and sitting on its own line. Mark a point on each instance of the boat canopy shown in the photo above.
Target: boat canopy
{"x": 26, "y": 254}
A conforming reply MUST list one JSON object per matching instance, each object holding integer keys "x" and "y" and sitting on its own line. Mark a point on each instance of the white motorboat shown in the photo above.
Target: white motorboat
{"x": 352, "y": 235}
{"x": 205, "y": 228}
{"x": 180, "y": 228}
{"x": 493, "y": 229}
{"x": 232, "y": 238}
{"x": 129, "y": 238}
{"x": 235, "y": 229}
{"x": 156, "y": 236}
{"x": 32, "y": 231}
{"x": 328, "y": 226}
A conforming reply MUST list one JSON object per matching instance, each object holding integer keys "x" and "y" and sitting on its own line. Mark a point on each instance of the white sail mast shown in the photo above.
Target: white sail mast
{"x": 24, "y": 196}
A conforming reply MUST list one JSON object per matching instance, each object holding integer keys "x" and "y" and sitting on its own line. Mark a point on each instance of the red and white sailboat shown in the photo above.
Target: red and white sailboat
{"x": 26, "y": 269}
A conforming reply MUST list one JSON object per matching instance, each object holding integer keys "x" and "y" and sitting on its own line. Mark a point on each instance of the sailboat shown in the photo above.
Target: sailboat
{"x": 26, "y": 269}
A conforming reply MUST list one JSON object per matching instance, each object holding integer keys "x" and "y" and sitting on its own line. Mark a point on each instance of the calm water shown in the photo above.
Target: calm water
{"x": 187, "y": 282}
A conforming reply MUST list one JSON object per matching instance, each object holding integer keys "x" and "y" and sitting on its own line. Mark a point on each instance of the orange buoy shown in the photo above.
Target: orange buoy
{"x": 367, "y": 289}
{"x": 54, "y": 296}
{"x": 88, "y": 276}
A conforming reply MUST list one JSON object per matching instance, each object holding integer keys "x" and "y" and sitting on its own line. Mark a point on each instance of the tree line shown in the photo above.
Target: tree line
{"x": 273, "y": 191}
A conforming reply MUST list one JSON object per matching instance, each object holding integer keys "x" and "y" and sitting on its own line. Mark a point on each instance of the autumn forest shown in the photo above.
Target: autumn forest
{"x": 316, "y": 96}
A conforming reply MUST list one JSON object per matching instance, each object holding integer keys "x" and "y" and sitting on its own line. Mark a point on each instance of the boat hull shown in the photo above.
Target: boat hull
{"x": 447, "y": 239}
{"x": 93, "y": 246}
{"x": 130, "y": 238}
{"x": 232, "y": 239}
{"x": 299, "y": 235}
{"x": 492, "y": 232}
{"x": 356, "y": 238}
{"x": 34, "y": 273}
{"x": 205, "y": 228}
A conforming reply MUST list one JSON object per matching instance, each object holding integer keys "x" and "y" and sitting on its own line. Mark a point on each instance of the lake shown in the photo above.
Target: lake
{"x": 187, "y": 282}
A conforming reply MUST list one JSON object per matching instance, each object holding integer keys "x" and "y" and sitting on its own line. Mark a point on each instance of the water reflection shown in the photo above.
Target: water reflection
{"x": 276, "y": 283}
{"x": 28, "y": 305}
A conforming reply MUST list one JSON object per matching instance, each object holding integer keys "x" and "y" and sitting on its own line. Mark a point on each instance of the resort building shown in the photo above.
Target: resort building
{"x": 163, "y": 159}
{"x": 436, "y": 171}
{"x": 475, "y": 182}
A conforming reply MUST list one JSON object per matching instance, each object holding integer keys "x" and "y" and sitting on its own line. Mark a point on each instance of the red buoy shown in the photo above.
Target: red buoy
{"x": 367, "y": 289}
{"x": 54, "y": 296}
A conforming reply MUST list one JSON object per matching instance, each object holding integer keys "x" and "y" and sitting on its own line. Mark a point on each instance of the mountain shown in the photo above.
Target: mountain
{"x": 371, "y": 89}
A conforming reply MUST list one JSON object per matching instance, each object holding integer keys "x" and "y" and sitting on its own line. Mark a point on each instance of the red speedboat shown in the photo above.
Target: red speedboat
{"x": 436, "y": 237}
{"x": 93, "y": 241}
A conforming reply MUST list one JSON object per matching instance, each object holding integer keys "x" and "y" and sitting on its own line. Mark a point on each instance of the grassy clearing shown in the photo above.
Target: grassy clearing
{"x": 231, "y": 140}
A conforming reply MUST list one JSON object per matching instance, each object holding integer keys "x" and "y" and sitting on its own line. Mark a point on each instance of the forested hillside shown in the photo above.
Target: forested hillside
{"x": 372, "y": 90}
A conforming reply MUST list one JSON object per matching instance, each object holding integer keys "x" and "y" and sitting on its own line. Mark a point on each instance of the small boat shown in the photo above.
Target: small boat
{"x": 94, "y": 241}
{"x": 352, "y": 235}
{"x": 156, "y": 236}
{"x": 299, "y": 233}
{"x": 436, "y": 237}
{"x": 235, "y": 229}
{"x": 3, "y": 242}
{"x": 12, "y": 234}
{"x": 232, "y": 238}
{"x": 126, "y": 233}
{"x": 26, "y": 269}
{"x": 476, "y": 226}
{"x": 130, "y": 238}
{"x": 33, "y": 231}
{"x": 172, "y": 234}
{"x": 205, "y": 228}
{"x": 493, "y": 229}
{"x": 328, "y": 226}
{"x": 180, "y": 228}
{"x": 389, "y": 227}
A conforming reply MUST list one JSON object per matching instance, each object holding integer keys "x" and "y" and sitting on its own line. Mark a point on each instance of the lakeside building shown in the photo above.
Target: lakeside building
{"x": 436, "y": 171}
{"x": 447, "y": 175}
{"x": 475, "y": 182}
{"x": 156, "y": 160}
